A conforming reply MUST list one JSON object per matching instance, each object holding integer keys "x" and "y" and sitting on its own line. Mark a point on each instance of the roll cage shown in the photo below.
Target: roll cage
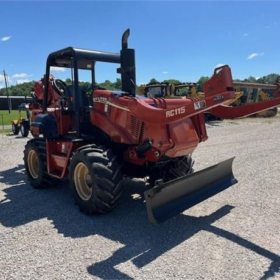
{"x": 85, "y": 59}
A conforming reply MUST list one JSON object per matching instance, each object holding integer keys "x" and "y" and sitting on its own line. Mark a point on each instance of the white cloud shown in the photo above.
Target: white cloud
{"x": 21, "y": 75}
{"x": 164, "y": 72}
{"x": 6, "y": 38}
{"x": 2, "y": 81}
{"x": 245, "y": 34}
{"x": 15, "y": 79}
{"x": 21, "y": 81}
{"x": 252, "y": 55}
{"x": 57, "y": 69}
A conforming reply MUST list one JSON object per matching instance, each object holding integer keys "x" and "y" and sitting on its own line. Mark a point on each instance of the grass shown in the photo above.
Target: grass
{"x": 6, "y": 118}
{"x": 5, "y": 131}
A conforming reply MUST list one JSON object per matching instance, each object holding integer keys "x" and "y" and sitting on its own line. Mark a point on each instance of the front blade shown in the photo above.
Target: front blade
{"x": 169, "y": 199}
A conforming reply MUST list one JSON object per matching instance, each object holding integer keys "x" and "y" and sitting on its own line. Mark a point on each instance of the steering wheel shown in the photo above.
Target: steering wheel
{"x": 35, "y": 98}
{"x": 59, "y": 86}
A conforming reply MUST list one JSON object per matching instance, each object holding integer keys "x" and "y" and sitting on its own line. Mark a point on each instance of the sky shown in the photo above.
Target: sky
{"x": 181, "y": 40}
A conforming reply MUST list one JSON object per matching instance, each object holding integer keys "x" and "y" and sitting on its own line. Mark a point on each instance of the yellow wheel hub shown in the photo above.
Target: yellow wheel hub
{"x": 33, "y": 164}
{"x": 82, "y": 180}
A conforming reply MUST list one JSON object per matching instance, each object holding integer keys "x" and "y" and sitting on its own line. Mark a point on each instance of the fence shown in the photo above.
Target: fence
{"x": 15, "y": 102}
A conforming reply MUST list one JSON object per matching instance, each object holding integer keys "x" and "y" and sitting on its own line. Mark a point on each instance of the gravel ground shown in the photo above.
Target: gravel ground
{"x": 233, "y": 235}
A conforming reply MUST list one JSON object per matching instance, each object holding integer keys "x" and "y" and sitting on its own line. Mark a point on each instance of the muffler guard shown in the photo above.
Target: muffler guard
{"x": 167, "y": 200}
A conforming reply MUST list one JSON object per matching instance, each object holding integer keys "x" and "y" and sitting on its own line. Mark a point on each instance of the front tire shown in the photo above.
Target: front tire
{"x": 35, "y": 161}
{"x": 95, "y": 179}
{"x": 181, "y": 168}
{"x": 174, "y": 169}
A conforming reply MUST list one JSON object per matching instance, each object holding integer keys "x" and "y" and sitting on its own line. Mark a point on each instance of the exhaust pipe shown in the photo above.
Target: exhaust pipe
{"x": 167, "y": 200}
{"x": 127, "y": 69}
{"x": 125, "y": 38}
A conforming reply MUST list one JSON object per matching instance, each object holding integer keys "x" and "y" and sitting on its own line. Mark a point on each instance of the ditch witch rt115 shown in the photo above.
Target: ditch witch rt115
{"x": 96, "y": 140}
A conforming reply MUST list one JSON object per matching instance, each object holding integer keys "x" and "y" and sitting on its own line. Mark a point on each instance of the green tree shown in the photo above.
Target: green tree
{"x": 201, "y": 82}
{"x": 68, "y": 82}
{"x": 153, "y": 81}
{"x": 106, "y": 84}
{"x": 268, "y": 79}
{"x": 250, "y": 79}
{"x": 118, "y": 84}
{"x": 23, "y": 89}
{"x": 172, "y": 81}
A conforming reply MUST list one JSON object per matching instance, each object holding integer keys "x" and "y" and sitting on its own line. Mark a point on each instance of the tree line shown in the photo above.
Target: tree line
{"x": 24, "y": 89}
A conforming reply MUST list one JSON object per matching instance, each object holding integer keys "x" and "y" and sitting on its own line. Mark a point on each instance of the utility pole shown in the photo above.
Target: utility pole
{"x": 8, "y": 96}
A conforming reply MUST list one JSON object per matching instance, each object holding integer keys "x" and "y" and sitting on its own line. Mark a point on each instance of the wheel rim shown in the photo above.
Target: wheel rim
{"x": 83, "y": 182}
{"x": 33, "y": 164}
{"x": 13, "y": 128}
{"x": 22, "y": 129}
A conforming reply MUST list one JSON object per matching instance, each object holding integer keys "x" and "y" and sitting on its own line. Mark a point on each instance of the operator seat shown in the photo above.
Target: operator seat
{"x": 84, "y": 100}
{"x": 84, "y": 107}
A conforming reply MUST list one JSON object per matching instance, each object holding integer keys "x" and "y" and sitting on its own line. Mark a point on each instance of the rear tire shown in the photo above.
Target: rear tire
{"x": 95, "y": 179}
{"x": 15, "y": 129}
{"x": 35, "y": 161}
{"x": 24, "y": 130}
